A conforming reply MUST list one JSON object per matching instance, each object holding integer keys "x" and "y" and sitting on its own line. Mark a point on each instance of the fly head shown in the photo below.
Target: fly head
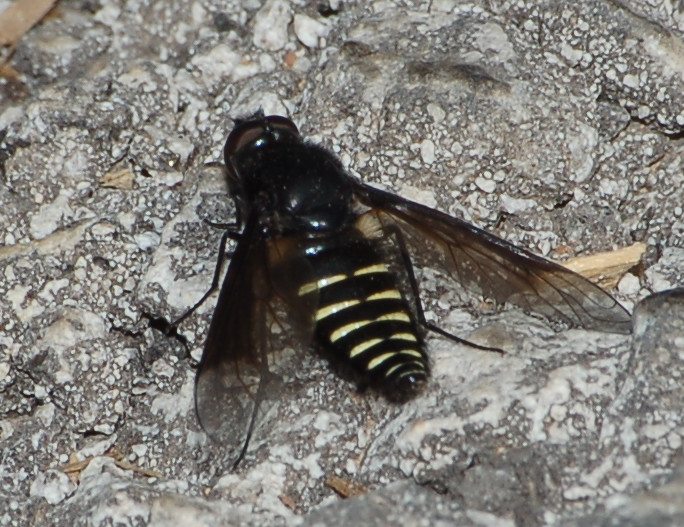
{"x": 293, "y": 186}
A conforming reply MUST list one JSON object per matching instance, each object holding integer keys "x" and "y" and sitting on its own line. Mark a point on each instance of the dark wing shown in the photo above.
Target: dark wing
{"x": 497, "y": 268}
{"x": 236, "y": 373}
{"x": 234, "y": 361}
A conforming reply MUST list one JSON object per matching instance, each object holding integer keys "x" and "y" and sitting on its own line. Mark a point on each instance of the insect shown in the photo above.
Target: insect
{"x": 332, "y": 257}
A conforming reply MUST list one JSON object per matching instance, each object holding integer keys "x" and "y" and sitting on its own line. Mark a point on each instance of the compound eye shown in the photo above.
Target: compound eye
{"x": 242, "y": 135}
{"x": 250, "y": 131}
{"x": 283, "y": 124}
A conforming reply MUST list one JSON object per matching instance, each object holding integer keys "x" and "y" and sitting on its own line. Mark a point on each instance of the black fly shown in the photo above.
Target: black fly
{"x": 331, "y": 257}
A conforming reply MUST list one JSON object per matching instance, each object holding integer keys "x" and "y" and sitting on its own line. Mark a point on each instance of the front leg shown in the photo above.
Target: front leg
{"x": 170, "y": 329}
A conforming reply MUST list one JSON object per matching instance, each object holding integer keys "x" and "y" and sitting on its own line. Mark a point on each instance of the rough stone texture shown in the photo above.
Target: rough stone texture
{"x": 558, "y": 125}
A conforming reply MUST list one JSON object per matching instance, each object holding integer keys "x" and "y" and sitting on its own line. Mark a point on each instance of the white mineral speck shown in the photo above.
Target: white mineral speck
{"x": 631, "y": 81}
{"x": 578, "y": 493}
{"x": 426, "y": 197}
{"x": 580, "y": 146}
{"x": 351, "y": 467}
{"x": 436, "y": 112}
{"x": 171, "y": 179}
{"x": 198, "y": 13}
{"x": 530, "y": 25}
{"x": 572, "y": 55}
{"x": 181, "y": 147}
{"x": 52, "y": 287}
{"x": 485, "y": 185}
{"x": 103, "y": 230}
{"x": 10, "y": 115}
{"x": 608, "y": 187}
{"x": 427, "y": 151}
{"x": 491, "y": 37}
{"x": 17, "y": 296}
{"x": 147, "y": 240}
{"x": 245, "y": 69}
{"x": 50, "y": 215}
{"x": 108, "y": 14}
{"x": 139, "y": 450}
{"x": 104, "y": 428}
{"x": 322, "y": 421}
{"x": 270, "y": 29}
{"x": 445, "y": 6}
{"x": 52, "y": 485}
{"x": 643, "y": 111}
{"x": 629, "y": 284}
{"x": 309, "y": 31}
{"x": 163, "y": 369}
{"x": 138, "y": 79}
{"x": 266, "y": 62}
{"x": 4, "y": 370}
{"x": 407, "y": 466}
{"x": 219, "y": 62}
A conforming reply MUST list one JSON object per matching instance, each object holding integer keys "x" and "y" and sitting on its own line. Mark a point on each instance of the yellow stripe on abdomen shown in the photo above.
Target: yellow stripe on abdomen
{"x": 315, "y": 285}
{"x": 416, "y": 367}
{"x": 348, "y": 328}
{"x": 366, "y": 320}
{"x": 385, "y": 295}
{"x": 404, "y": 336}
{"x": 345, "y": 330}
{"x": 331, "y": 309}
{"x": 399, "y": 316}
{"x": 375, "y": 268}
{"x": 360, "y": 348}
{"x": 377, "y": 361}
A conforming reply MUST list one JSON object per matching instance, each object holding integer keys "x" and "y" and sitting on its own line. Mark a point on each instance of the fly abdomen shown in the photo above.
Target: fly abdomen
{"x": 362, "y": 318}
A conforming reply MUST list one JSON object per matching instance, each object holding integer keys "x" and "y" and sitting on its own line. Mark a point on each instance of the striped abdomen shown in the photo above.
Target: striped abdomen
{"x": 361, "y": 317}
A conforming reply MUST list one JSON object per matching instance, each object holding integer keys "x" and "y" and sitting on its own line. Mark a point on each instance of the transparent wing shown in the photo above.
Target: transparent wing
{"x": 496, "y": 268}
{"x": 243, "y": 350}
{"x": 234, "y": 359}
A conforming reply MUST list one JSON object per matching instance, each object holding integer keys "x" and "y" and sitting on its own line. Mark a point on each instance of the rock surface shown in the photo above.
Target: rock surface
{"x": 556, "y": 125}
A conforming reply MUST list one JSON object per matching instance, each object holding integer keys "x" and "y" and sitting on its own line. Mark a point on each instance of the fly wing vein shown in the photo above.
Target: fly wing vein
{"x": 478, "y": 259}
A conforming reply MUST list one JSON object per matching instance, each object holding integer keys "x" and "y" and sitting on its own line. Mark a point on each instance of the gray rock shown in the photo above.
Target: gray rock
{"x": 557, "y": 125}
{"x": 645, "y": 418}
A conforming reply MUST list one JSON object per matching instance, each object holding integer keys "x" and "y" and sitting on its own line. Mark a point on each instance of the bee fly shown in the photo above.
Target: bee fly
{"x": 332, "y": 257}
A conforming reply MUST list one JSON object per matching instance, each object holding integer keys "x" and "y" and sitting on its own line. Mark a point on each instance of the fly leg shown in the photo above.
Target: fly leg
{"x": 170, "y": 329}
{"x": 408, "y": 265}
{"x": 233, "y": 235}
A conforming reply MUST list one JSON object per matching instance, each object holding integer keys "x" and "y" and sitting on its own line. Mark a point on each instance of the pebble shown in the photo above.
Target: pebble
{"x": 485, "y": 185}
{"x": 629, "y": 284}
{"x": 147, "y": 240}
{"x": 270, "y": 29}
{"x": 427, "y": 151}
{"x": 309, "y": 31}
{"x": 54, "y": 486}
